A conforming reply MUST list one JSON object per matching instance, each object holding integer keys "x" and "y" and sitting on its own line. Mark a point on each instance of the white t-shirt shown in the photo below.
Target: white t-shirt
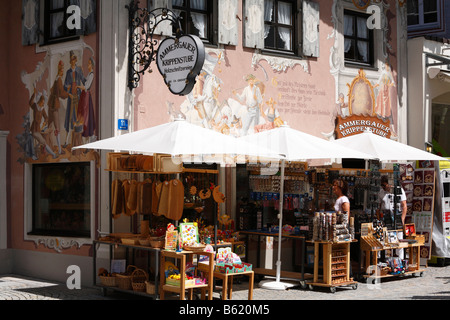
{"x": 387, "y": 199}
{"x": 339, "y": 202}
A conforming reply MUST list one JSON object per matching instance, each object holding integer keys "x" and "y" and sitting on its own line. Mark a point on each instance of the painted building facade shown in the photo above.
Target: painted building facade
{"x": 318, "y": 66}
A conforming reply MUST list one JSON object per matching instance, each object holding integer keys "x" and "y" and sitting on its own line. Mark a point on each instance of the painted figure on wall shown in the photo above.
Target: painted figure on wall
{"x": 57, "y": 92}
{"x": 73, "y": 84}
{"x": 85, "y": 114}
{"x": 251, "y": 97}
{"x": 386, "y": 103}
{"x": 240, "y": 113}
{"x": 70, "y": 106}
{"x": 39, "y": 126}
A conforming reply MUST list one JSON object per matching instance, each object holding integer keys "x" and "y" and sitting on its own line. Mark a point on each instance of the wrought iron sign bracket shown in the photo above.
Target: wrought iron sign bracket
{"x": 142, "y": 46}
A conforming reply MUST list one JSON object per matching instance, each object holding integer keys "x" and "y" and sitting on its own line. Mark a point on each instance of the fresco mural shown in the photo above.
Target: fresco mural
{"x": 263, "y": 103}
{"x": 368, "y": 105}
{"x": 247, "y": 109}
{"x": 61, "y": 112}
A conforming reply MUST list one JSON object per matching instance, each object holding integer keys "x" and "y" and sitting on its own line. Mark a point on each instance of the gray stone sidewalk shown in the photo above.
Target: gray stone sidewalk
{"x": 433, "y": 285}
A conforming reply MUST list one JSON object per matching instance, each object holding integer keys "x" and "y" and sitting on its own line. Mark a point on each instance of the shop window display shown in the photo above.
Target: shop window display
{"x": 61, "y": 200}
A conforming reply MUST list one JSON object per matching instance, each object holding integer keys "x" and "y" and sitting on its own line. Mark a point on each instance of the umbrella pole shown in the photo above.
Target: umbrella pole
{"x": 280, "y": 213}
{"x": 277, "y": 284}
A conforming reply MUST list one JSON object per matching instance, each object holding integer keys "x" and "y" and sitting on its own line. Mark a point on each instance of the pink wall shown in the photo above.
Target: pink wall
{"x": 304, "y": 98}
{"x": 14, "y": 98}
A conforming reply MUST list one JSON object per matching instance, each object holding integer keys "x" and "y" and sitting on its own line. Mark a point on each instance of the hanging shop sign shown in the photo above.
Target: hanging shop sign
{"x": 179, "y": 61}
{"x": 355, "y": 124}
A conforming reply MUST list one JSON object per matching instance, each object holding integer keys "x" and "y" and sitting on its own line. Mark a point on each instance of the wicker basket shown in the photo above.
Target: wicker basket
{"x": 145, "y": 242}
{"x": 156, "y": 242}
{"x": 124, "y": 280}
{"x": 138, "y": 280}
{"x": 150, "y": 287}
{"x": 108, "y": 281}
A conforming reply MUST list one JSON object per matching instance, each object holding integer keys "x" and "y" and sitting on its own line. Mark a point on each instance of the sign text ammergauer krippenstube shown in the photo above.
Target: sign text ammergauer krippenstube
{"x": 180, "y": 61}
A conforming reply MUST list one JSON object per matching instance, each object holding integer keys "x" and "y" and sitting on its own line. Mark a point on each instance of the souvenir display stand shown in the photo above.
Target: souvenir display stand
{"x": 133, "y": 174}
{"x": 151, "y": 284}
{"x": 335, "y": 265}
{"x": 180, "y": 286}
{"x": 374, "y": 243}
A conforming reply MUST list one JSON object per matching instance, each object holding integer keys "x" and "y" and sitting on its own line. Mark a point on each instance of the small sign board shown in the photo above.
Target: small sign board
{"x": 123, "y": 124}
{"x": 179, "y": 61}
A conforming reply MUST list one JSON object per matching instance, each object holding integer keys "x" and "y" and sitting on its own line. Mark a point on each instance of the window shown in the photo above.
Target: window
{"x": 279, "y": 25}
{"x": 358, "y": 43}
{"x": 55, "y": 26}
{"x": 424, "y": 15}
{"x": 196, "y": 17}
{"x": 61, "y": 195}
{"x": 422, "y": 12}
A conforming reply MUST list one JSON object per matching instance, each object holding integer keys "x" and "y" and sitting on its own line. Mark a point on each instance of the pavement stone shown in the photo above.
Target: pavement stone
{"x": 434, "y": 284}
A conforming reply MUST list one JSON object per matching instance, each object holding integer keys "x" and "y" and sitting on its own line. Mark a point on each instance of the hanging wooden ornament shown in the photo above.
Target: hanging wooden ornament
{"x": 218, "y": 196}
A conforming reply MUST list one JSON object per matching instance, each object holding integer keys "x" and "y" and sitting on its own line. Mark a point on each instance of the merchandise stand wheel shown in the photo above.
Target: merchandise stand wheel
{"x": 303, "y": 284}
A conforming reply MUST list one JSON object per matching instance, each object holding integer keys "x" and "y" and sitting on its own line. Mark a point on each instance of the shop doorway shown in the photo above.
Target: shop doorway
{"x": 441, "y": 129}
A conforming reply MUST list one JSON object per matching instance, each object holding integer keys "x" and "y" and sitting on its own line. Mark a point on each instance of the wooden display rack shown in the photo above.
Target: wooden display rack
{"x": 371, "y": 246}
{"x": 336, "y": 265}
{"x": 183, "y": 257}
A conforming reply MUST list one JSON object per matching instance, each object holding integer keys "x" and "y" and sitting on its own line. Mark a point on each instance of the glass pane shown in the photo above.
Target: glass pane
{"x": 363, "y": 51}
{"x": 362, "y": 28}
{"x": 200, "y": 24}
{"x": 198, "y": 4}
{"x": 285, "y": 38}
{"x": 57, "y": 26}
{"x": 348, "y": 25}
{"x": 177, "y": 3}
{"x": 441, "y": 129}
{"x": 349, "y": 49}
{"x": 285, "y": 13}
{"x": 412, "y": 6}
{"x": 57, "y": 4}
{"x": 61, "y": 196}
{"x": 413, "y": 19}
{"x": 430, "y": 18}
{"x": 269, "y": 41}
{"x": 429, "y": 6}
{"x": 268, "y": 10}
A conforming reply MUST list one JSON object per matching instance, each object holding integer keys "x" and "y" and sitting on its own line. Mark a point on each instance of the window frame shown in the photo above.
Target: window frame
{"x": 424, "y": 28}
{"x": 295, "y": 27}
{"x": 371, "y": 39}
{"x": 49, "y": 241}
{"x": 209, "y": 12}
{"x": 69, "y": 35}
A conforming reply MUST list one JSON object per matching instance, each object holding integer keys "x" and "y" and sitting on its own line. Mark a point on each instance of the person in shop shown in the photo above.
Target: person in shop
{"x": 386, "y": 199}
{"x": 340, "y": 189}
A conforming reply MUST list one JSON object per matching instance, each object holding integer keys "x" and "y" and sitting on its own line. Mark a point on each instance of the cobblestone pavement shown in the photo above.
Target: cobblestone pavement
{"x": 434, "y": 284}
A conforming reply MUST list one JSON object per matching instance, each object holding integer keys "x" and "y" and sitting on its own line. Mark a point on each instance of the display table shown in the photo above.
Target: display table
{"x": 183, "y": 257}
{"x": 336, "y": 265}
{"x": 301, "y": 276}
{"x": 371, "y": 247}
{"x": 227, "y": 279}
{"x": 133, "y": 248}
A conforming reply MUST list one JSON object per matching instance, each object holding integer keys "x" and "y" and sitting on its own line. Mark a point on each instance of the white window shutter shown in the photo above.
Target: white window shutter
{"x": 228, "y": 22}
{"x": 311, "y": 35}
{"x": 164, "y": 28}
{"x": 254, "y": 24}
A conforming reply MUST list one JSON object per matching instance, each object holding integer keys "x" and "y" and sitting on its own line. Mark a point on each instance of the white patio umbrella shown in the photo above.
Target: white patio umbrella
{"x": 181, "y": 138}
{"x": 190, "y": 142}
{"x": 295, "y": 145}
{"x": 385, "y": 149}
